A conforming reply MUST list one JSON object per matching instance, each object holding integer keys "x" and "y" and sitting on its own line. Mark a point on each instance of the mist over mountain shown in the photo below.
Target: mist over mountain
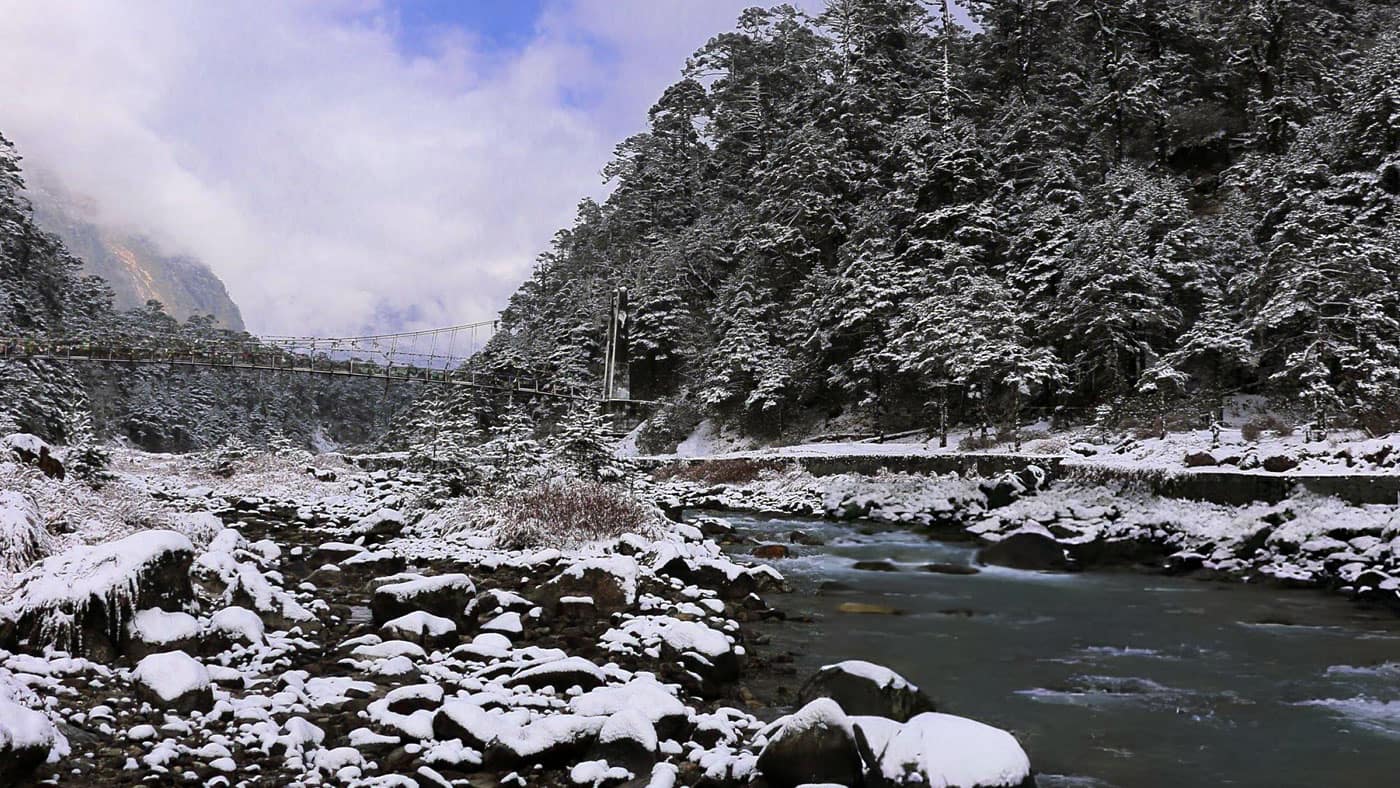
{"x": 133, "y": 265}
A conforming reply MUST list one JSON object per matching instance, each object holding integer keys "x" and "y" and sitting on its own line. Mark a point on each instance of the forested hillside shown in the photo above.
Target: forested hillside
{"x": 1093, "y": 209}
{"x": 43, "y": 293}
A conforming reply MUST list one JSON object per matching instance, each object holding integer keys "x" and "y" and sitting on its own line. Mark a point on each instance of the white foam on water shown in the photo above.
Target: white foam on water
{"x": 1373, "y": 715}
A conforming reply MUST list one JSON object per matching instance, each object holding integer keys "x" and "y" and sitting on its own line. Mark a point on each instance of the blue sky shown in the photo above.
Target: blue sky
{"x": 504, "y": 25}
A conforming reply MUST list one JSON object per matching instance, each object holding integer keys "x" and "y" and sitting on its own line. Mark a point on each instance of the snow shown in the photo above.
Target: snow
{"x": 630, "y": 725}
{"x": 819, "y": 713}
{"x": 25, "y": 442}
{"x": 25, "y": 728}
{"x": 879, "y": 675}
{"x": 949, "y": 752}
{"x": 239, "y": 622}
{"x": 646, "y": 631}
{"x": 596, "y": 773}
{"x": 407, "y": 589}
{"x": 505, "y": 623}
{"x": 23, "y": 536}
{"x": 567, "y": 666}
{"x": 643, "y": 693}
{"x": 171, "y": 674}
{"x": 420, "y": 623}
{"x": 157, "y": 627}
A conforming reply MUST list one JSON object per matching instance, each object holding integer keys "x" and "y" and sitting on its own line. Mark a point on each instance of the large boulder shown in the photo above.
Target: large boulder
{"x": 555, "y": 740}
{"x": 156, "y": 630}
{"x": 866, "y": 688}
{"x": 442, "y": 595}
{"x": 27, "y": 739}
{"x": 628, "y": 738}
{"x": 175, "y": 681}
{"x": 1026, "y": 549}
{"x": 815, "y": 744}
{"x": 82, "y": 599}
{"x": 940, "y": 749}
{"x": 32, "y": 450}
{"x": 381, "y": 526}
{"x": 610, "y": 581}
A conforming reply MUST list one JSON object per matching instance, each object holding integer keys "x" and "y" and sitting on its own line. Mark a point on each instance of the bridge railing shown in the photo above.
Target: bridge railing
{"x": 235, "y": 353}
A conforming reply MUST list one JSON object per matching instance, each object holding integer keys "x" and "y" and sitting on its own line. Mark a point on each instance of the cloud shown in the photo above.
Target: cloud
{"x": 335, "y": 179}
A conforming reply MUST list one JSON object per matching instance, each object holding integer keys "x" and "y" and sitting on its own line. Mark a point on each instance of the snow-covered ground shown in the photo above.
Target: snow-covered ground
{"x": 295, "y": 625}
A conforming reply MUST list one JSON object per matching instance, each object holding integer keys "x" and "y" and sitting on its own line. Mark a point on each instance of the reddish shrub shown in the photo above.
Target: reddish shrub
{"x": 1257, "y": 426}
{"x": 557, "y": 512}
{"x": 736, "y": 471}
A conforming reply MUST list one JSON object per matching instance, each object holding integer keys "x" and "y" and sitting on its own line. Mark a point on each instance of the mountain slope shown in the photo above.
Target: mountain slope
{"x": 134, "y": 267}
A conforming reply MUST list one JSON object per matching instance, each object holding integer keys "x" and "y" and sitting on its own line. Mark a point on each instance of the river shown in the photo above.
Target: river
{"x": 1110, "y": 678}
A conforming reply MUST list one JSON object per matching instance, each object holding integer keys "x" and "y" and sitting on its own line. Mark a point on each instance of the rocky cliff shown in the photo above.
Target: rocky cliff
{"x": 135, "y": 267}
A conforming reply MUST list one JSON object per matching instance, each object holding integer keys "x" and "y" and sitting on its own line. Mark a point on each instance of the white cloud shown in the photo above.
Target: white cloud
{"x": 334, "y": 182}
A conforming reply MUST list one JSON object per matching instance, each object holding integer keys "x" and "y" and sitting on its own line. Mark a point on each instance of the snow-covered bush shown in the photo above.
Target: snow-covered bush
{"x": 559, "y": 513}
{"x": 23, "y": 538}
{"x": 87, "y": 459}
{"x": 584, "y": 447}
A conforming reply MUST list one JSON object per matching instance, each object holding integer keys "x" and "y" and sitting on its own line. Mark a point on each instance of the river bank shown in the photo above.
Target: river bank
{"x": 295, "y": 626}
{"x": 1029, "y": 522}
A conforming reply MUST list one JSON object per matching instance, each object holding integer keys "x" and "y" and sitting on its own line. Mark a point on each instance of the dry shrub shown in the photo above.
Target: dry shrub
{"x": 1257, "y": 426}
{"x": 979, "y": 442}
{"x": 736, "y": 471}
{"x": 564, "y": 513}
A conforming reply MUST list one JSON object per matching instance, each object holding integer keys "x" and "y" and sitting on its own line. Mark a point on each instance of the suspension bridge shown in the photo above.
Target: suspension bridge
{"x": 440, "y": 356}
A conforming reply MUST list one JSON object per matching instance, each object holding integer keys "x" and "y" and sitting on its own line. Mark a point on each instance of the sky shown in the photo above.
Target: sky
{"x": 345, "y": 166}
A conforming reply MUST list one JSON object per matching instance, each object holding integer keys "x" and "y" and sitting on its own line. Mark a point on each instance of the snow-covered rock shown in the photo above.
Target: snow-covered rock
{"x": 943, "y": 751}
{"x": 814, "y": 744}
{"x": 157, "y": 630}
{"x": 865, "y": 688}
{"x": 173, "y": 680}
{"x": 82, "y": 599}
{"x": 444, "y": 595}
{"x": 28, "y": 738}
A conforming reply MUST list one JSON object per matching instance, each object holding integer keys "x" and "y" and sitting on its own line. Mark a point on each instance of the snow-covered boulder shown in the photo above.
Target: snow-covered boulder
{"x": 1030, "y": 548}
{"x": 82, "y": 599}
{"x": 378, "y": 527}
{"x": 942, "y": 751}
{"x": 815, "y": 744}
{"x": 610, "y": 581}
{"x": 442, "y": 595}
{"x": 173, "y": 680}
{"x": 560, "y": 674}
{"x": 628, "y": 738}
{"x": 32, "y": 450}
{"x": 27, "y": 739}
{"x": 706, "y": 652}
{"x": 237, "y": 625}
{"x": 422, "y": 627}
{"x": 865, "y": 688}
{"x": 553, "y": 740}
{"x": 154, "y": 630}
{"x": 23, "y": 536}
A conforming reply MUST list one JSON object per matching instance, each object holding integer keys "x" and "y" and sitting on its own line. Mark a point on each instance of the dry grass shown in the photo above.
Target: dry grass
{"x": 568, "y": 513}
{"x": 1257, "y": 426}
{"x": 736, "y": 471}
